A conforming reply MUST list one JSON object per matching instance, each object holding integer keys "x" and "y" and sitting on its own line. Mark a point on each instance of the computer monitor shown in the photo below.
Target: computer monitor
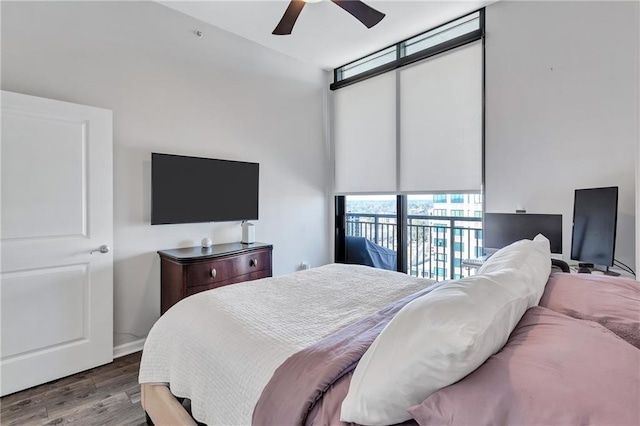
{"x": 595, "y": 215}
{"x": 502, "y": 229}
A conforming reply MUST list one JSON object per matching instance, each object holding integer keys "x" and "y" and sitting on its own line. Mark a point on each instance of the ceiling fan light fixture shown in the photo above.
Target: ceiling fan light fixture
{"x": 367, "y": 15}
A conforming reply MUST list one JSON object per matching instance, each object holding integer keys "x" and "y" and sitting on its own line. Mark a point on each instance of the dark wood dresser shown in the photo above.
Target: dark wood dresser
{"x": 191, "y": 270}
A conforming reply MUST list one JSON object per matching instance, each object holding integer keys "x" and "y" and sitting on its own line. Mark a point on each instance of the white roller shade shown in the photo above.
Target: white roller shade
{"x": 441, "y": 122}
{"x": 365, "y": 136}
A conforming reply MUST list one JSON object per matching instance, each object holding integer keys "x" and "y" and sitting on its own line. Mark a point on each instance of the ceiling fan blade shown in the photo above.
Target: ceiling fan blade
{"x": 362, "y": 12}
{"x": 285, "y": 26}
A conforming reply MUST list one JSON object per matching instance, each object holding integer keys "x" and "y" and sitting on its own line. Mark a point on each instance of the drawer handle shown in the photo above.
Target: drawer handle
{"x": 213, "y": 272}
{"x": 254, "y": 262}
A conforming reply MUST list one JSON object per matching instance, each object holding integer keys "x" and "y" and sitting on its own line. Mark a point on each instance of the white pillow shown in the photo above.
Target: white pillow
{"x": 516, "y": 255}
{"x": 441, "y": 337}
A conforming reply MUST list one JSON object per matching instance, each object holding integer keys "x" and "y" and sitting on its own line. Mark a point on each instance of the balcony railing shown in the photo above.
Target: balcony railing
{"x": 436, "y": 245}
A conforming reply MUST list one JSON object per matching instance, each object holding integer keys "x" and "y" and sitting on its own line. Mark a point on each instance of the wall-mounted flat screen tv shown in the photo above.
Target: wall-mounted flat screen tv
{"x": 192, "y": 189}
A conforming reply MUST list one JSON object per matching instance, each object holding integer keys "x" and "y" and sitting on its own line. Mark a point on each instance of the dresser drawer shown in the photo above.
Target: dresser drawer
{"x": 242, "y": 278}
{"x": 217, "y": 271}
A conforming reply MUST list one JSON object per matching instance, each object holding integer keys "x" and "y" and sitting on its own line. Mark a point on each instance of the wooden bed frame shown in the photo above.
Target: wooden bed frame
{"x": 162, "y": 408}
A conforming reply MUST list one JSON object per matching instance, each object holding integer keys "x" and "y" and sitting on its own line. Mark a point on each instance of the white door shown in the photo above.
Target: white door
{"x": 56, "y": 298}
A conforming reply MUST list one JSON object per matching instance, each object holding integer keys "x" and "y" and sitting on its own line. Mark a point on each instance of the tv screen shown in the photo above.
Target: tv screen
{"x": 595, "y": 215}
{"x": 193, "y": 189}
{"x": 502, "y": 229}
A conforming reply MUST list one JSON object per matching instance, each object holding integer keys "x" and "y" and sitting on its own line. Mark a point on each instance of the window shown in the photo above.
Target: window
{"x": 479, "y": 252}
{"x": 424, "y": 45}
{"x": 373, "y": 218}
{"x": 442, "y": 34}
{"x": 427, "y": 241}
{"x": 477, "y": 199}
{"x": 367, "y": 63}
{"x": 477, "y": 213}
{"x": 447, "y": 62}
{"x": 439, "y": 272}
{"x": 457, "y": 276}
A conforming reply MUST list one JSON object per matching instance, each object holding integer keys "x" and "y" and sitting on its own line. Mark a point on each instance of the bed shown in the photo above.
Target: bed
{"x": 292, "y": 350}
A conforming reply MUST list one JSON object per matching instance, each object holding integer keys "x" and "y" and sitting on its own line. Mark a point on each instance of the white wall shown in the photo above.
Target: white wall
{"x": 220, "y": 96}
{"x": 562, "y": 108}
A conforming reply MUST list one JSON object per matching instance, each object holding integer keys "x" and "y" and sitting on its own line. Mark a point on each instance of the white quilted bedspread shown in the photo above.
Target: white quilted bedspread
{"x": 220, "y": 347}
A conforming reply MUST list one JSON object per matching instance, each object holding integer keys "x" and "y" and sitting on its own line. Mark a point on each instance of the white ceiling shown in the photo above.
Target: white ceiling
{"x": 324, "y": 34}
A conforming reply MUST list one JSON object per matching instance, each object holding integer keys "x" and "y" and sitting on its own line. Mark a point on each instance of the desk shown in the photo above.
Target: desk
{"x": 624, "y": 274}
{"x": 472, "y": 263}
{"x": 477, "y": 263}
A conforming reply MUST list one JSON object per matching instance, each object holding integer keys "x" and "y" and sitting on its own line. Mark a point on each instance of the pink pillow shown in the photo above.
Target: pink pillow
{"x": 553, "y": 370}
{"x": 611, "y": 301}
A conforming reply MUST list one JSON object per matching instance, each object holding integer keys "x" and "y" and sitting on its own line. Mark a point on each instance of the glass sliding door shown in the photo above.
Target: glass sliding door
{"x": 442, "y": 232}
{"x": 371, "y": 230}
{"x": 428, "y": 236}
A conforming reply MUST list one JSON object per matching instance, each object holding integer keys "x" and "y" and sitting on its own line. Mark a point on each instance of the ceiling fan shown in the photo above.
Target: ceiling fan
{"x": 363, "y": 13}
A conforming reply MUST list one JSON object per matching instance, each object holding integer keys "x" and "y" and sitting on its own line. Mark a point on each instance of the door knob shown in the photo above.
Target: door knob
{"x": 102, "y": 249}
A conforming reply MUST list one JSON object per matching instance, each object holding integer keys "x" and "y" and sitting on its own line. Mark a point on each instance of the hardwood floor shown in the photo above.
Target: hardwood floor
{"x": 107, "y": 395}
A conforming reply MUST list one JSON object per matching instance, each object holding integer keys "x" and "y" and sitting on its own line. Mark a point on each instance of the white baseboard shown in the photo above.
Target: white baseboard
{"x": 128, "y": 348}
